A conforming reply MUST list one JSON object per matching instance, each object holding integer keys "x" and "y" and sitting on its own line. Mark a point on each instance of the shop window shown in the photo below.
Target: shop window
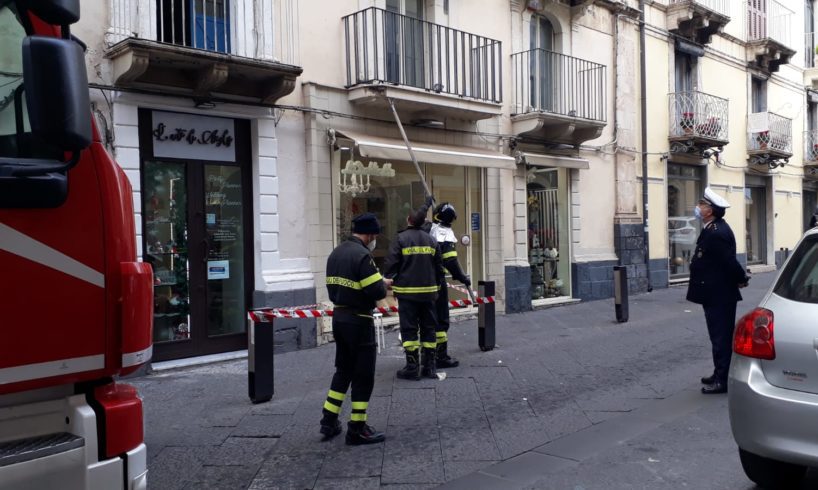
{"x": 684, "y": 189}
{"x": 548, "y": 239}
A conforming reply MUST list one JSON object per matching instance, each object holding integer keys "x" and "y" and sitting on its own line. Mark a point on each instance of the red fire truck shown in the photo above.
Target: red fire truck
{"x": 75, "y": 305}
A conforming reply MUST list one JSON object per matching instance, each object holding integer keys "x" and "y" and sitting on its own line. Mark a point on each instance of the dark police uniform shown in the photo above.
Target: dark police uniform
{"x": 715, "y": 276}
{"x": 354, "y": 285}
{"x": 414, "y": 262}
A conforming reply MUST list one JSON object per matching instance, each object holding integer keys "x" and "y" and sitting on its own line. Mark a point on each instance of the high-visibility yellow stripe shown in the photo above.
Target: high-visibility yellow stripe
{"x": 359, "y": 405}
{"x": 329, "y": 407}
{"x": 429, "y": 345}
{"x": 414, "y": 290}
{"x": 371, "y": 279}
{"x": 441, "y": 337}
{"x": 357, "y": 417}
{"x": 418, "y": 251}
{"x": 411, "y": 343}
{"x": 449, "y": 254}
{"x": 335, "y": 395}
{"x": 342, "y": 281}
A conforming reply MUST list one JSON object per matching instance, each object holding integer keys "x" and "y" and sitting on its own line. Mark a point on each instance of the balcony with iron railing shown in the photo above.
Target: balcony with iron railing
{"x": 557, "y": 97}
{"x": 698, "y": 20}
{"x": 811, "y": 148}
{"x": 205, "y": 48}
{"x": 433, "y": 70}
{"x": 769, "y": 138}
{"x": 697, "y": 121}
{"x": 769, "y": 33}
{"x": 810, "y": 59}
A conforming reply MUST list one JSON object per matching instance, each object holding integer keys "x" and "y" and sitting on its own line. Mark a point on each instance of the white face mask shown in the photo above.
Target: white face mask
{"x": 371, "y": 245}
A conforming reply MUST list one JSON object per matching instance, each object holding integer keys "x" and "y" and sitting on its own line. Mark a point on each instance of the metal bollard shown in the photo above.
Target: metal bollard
{"x": 260, "y": 361}
{"x": 485, "y": 317}
{"x": 620, "y": 277}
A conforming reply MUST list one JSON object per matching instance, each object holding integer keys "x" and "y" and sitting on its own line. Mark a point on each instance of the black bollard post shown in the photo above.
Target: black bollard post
{"x": 485, "y": 317}
{"x": 620, "y": 275}
{"x": 260, "y": 361}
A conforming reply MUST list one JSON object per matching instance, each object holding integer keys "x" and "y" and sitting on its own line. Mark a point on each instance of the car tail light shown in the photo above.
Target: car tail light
{"x": 754, "y": 335}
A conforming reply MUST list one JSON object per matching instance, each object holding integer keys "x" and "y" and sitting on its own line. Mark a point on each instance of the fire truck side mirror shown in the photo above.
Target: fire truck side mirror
{"x": 57, "y": 12}
{"x": 56, "y": 89}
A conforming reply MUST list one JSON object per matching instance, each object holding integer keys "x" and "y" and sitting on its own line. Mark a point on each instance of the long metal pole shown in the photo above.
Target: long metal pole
{"x": 409, "y": 147}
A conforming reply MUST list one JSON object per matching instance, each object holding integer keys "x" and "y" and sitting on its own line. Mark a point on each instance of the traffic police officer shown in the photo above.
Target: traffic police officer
{"x": 415, "y": 264}
{"x": 354, "y": 285}
{"x": 443, "y": 216}
{"x": 715, "y": 279}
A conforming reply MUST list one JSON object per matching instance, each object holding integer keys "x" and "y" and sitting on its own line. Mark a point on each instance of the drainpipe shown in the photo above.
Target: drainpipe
{"x": 644, "y": 116}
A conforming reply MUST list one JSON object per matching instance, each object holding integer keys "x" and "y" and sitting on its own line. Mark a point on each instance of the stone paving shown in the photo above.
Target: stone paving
{"x": 554, "y": 373}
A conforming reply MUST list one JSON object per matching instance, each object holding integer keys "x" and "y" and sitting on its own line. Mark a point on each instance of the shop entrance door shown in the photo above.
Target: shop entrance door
{"x": 196, "y": 224}
{"x": 755, "y": 199}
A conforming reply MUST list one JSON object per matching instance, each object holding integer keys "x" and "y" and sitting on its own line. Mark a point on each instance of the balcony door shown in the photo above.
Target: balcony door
{"x": 542, "y": 66}
{"x": 403, "y": 22}
{"x": 756, "y": 19}
{"x": 202, "y": 24}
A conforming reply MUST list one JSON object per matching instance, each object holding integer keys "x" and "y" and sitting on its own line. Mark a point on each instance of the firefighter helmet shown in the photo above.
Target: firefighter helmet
{"x": 444, "y": 213}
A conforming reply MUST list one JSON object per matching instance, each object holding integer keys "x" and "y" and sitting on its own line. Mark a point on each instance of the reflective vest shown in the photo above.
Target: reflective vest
{"x": 354, "y": 283}
{"x": 414, "y": 261}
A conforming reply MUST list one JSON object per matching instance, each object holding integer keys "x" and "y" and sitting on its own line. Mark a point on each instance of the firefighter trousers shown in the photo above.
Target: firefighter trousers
{"x": 442, "y": 314}
{"x": 417, "y": 324}
{"x": 355, "y": 355}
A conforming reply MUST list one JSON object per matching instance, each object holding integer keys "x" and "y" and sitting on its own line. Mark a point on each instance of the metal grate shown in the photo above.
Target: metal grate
{"x": 697, "y": 114}
{"x": 21, "y": 450}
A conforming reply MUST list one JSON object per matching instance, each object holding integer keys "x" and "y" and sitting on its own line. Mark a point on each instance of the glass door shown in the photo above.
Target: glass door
{"x": 684, "y": 189}
{"x": 755, "y": 199}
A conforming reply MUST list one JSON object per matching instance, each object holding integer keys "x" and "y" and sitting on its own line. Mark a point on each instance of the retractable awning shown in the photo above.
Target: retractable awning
{"x": 395, "y": 149}
{"x": 540, "y": 160}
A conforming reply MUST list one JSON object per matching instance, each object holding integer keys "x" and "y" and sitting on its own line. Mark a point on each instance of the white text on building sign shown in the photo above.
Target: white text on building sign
{"x": 193, "y": 137}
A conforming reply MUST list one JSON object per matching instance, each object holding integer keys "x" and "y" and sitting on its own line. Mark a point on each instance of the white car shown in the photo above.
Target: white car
{"x": 683, "y": 229}
{"x": 773, "y": 381}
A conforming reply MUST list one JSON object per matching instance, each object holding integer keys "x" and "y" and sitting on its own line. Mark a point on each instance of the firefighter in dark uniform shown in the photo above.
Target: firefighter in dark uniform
{"x": 415, "y": 264}
{"x": 354, "y": 285}
{"x": 443, "y": 216}
{"x": 715, "y": 279}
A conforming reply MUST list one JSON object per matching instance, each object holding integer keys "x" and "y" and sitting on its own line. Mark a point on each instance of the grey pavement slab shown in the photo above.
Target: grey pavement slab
{"x": 568, "y": 396}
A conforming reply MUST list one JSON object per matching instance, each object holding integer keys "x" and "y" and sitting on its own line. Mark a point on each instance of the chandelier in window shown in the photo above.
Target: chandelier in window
{"x": 355, "y": 177}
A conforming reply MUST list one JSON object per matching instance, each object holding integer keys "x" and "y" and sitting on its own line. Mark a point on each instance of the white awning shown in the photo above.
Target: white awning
{"x": 540, "y": 160}
{"x": 395, "y": 149}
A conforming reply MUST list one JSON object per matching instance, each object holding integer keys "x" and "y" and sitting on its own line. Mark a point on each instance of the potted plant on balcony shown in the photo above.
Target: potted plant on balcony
{"x": 813, "y": 156}
{"x": 763, "y": 139}
{"x": 687, "y": 122}
{"x": 815, "y": 58}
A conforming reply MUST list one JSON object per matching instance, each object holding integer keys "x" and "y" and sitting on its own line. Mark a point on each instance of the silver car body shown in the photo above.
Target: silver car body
{"x": 773, "y": 404}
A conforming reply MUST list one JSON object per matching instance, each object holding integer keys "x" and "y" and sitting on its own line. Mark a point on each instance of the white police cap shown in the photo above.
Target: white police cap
{"x": 714, "y": 199}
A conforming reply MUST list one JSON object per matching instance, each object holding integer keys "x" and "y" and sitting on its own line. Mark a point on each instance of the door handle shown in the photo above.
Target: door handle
{"x": 206, "y": 252}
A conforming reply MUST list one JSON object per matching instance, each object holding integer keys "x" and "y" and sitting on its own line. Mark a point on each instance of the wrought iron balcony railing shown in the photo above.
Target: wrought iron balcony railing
{"x": 720, "y": 6}
{"x": 260, "y": 29}
{"x": 386, "y": 47}
{"x": 767, "y": 131}
{"x": 544, "y": 81}
{"x": 769, "y": 19}
{"x": 811, "y": 146}
{"x": 698, "y": 115}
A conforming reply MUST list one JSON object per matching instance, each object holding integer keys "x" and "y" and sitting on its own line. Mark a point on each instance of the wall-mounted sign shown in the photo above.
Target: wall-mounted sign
{"x": 475, "y": 222}
{"x": 190, "y": 136}
{"x": 218, "y": 269}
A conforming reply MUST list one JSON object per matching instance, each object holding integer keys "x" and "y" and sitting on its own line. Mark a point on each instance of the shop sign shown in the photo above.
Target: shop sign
{"x": 475, "y": 222}
{"x": 193, "y": 137}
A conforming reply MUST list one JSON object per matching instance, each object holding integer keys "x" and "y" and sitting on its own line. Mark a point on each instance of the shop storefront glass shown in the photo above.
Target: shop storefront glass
{"x": 548, "y": 238}
{"x": 684, "y": 189}
{"x": 810, "y": 202}
{"x": 391, "y": 196}
{"x": 755, "y": 199}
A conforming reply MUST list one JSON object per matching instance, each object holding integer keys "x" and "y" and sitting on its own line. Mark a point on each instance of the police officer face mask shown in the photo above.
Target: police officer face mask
{"x": 697, "y": 211}
{"x": 372, "y": 244}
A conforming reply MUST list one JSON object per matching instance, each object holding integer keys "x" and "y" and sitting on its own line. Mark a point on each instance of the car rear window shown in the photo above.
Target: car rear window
{"x": 799, "y": 279}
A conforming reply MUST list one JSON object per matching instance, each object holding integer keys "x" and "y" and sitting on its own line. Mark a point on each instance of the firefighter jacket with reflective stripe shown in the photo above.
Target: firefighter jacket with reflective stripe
{"x": 414, "y": 262}
{"x": 354, "y": 283}
{"x": 448, "y": 252}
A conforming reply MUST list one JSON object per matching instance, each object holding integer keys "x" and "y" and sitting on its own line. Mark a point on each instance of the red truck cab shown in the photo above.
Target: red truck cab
{"x": 75, "y": 304}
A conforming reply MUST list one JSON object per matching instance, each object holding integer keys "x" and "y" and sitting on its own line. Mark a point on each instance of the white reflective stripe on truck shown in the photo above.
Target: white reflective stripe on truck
{"x": 133, "y": 358}
{"x": 17, "y": 243}
{"x": 60, "y": 367}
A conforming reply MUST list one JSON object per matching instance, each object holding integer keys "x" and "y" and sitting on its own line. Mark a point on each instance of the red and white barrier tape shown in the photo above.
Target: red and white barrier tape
{"x": 267, "y": 314}
{"x": 459, "y": 289}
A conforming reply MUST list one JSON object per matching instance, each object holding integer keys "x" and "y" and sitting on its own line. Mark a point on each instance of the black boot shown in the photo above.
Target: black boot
{"x": 443, "y": 359}
{"x": 360, "y": 433}
{"x": 330, "y": 425}
{"x": 411, "y": 370}
{"x": 429, "y": 367}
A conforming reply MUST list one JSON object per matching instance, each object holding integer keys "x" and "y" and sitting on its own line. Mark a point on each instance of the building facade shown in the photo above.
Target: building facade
{"x": 253, "y": 131}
